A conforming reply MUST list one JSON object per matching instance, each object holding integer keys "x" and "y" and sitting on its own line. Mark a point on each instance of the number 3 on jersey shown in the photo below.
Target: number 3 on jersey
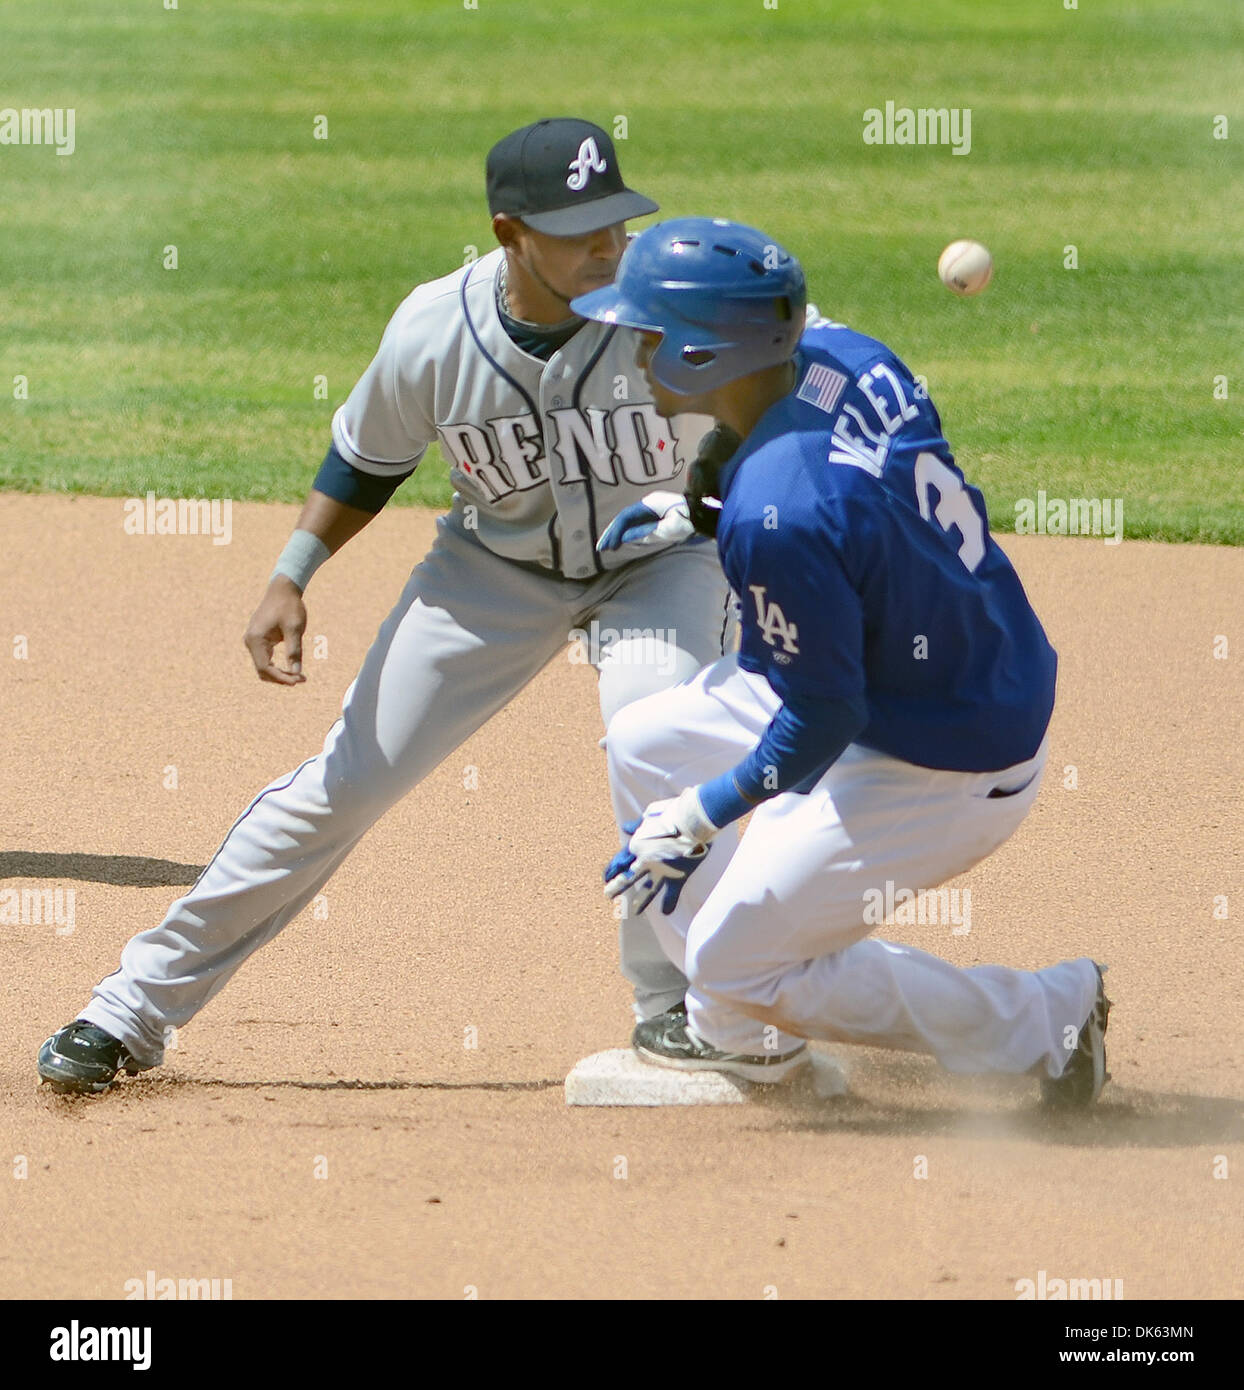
{"x": 954, "y": 507}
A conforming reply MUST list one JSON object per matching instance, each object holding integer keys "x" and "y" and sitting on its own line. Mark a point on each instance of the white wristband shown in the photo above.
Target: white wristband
{"x": 304, "y": 553}
{"x": 690, "y": 816}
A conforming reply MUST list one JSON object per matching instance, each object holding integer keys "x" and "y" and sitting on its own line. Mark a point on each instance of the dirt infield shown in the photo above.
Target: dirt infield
{"x": 324, "y": 1128}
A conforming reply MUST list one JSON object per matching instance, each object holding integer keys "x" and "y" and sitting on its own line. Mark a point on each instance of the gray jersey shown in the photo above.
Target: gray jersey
{"x": 542, "y": 455}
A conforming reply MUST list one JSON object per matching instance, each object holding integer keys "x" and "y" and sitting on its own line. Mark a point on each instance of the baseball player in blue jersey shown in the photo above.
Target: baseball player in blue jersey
{"x": 884, "y": 719}
{"x": 549, "y": 431}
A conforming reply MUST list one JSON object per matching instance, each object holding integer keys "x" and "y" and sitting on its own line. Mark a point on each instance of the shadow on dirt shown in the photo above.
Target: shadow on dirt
{"x": 120, "y": 870}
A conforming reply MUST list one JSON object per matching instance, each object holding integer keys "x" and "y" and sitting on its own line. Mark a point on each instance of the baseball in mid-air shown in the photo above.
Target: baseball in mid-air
{"x": 965, "y": 267}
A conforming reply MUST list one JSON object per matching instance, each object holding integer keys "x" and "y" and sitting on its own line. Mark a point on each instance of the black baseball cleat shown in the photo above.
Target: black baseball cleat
{"x": 1085, "y": 1074}
{"x": 668, "y": 1040}
{"x": 83, "y": 1060}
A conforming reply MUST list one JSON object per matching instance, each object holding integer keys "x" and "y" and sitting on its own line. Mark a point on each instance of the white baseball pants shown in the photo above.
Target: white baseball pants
{"x": 771, "y": 928}
{"x": 468, "y": 632}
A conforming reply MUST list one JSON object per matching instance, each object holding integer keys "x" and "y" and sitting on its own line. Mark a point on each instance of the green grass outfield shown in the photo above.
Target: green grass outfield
{"x": 1090, "y": 127}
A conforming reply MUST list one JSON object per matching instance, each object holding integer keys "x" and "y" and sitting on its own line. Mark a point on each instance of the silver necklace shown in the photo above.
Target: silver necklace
{"x": 503, "y": 298}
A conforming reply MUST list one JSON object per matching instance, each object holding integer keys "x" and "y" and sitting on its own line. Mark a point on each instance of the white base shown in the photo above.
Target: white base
{"x": 619, "y": 1077}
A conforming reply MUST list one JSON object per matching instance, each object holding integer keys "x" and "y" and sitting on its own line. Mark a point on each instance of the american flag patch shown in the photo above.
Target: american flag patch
{"x": 821, "y": 387}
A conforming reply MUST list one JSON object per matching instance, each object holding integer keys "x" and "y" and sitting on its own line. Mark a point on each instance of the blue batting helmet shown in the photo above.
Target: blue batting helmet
{"x": 727, "y": 299}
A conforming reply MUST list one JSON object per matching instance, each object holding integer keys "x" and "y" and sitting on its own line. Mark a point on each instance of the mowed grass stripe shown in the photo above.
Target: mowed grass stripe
{"x": 1090, "y": 128}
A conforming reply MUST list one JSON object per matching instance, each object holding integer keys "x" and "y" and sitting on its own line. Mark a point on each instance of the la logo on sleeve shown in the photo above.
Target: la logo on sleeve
{"x": 772, "y": 621}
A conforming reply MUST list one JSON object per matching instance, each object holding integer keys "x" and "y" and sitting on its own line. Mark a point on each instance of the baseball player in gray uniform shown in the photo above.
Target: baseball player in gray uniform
{"x": 550, "y": 431}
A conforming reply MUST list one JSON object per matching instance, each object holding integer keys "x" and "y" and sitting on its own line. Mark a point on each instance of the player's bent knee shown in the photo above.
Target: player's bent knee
{"x": 637, "y": 730}
{"x": 758, "y": 988}
{"x": 714, "y": 968}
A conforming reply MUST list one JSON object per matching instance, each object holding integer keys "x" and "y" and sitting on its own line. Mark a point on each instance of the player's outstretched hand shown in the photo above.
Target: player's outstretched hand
{"x": 280, "y": 617}
{"x": 666, "y": 847}
{"x": 661, "y": 518}
{"x": 640, "y": 882}
{"x": 640, "y": 886}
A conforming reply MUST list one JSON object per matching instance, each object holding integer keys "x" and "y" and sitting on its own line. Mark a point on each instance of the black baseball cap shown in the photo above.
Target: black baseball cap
{"x": 561, "y": 177}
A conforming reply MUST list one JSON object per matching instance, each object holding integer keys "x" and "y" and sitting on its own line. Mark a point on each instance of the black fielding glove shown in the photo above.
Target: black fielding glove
{"x": 703, "y": 499}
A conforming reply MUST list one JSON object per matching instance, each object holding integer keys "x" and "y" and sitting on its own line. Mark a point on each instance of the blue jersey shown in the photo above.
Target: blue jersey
{"x": 866, "y": 572}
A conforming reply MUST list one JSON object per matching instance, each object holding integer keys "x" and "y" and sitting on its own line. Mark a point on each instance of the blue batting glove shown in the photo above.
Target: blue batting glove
{"x": 640, "y": 887}
{"x": 657, "y": 868}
